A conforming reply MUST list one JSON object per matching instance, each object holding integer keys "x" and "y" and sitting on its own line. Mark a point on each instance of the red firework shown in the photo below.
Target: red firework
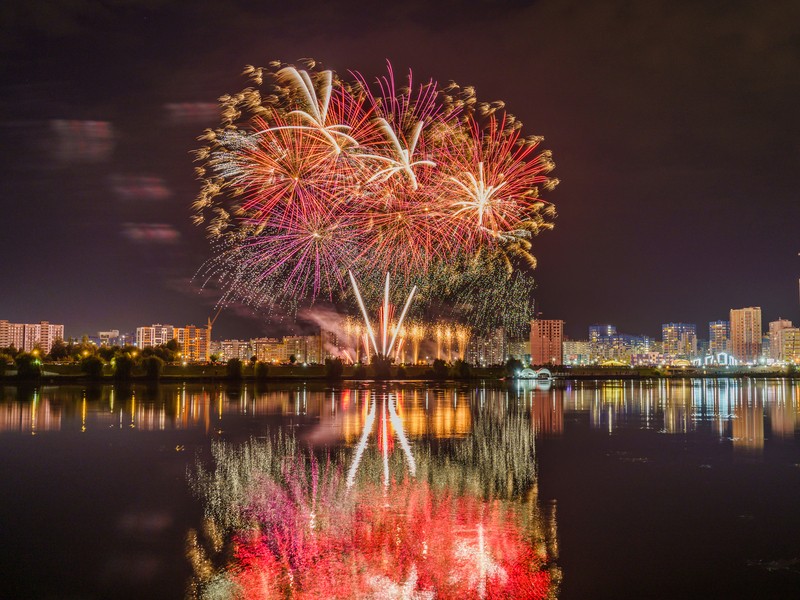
{"x": 328, "y": 176}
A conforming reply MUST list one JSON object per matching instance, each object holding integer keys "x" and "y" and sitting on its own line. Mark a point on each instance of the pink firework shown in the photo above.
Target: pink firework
{"x": 491, "y": 189}
{"x": 320, "y": 176}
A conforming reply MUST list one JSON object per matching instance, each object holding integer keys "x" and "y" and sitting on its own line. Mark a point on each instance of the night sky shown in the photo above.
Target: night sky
{"x": 674, "y": 127}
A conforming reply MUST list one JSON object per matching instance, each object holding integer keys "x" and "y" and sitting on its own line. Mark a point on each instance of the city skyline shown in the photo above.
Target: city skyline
{"x": 312, "y": 322}
{"x": 647, "y": 134}
{"x": 744, "y": 339}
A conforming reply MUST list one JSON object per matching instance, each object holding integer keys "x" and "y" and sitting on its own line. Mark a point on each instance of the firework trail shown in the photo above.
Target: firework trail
{"x": 310, "y": 175}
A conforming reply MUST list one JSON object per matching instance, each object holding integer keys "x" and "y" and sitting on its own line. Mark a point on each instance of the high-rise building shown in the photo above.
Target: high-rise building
{"x": 269, "y": 350}
{"x": 11, "y": 334}
{"x": 316, "y": 349}
{"x": 764, "y": 356}
{"x": 48, "y": 333}
{"x": 621, "y": 347}
{"x": 776, "y": 329}
{"x": 228, "y": 349}
{"x": 719, "y": 335}
{"x": 309, "y": 348}
{"x": 607, "y": 344}
{"x": 679, "y": 340}
{"x": 329, "y": 346}
{"x": 547, "y": 336}
{"x": 29, "y": 336}
{"x": 195, "y": 343}
{"x": 520, "y": 349}
{"x": 489, "y": 349}
{"x": 312, "y": 349}
{"x": 746, "y": 333}
{"x": 790, "y": 345}
{"x": 576, "y": 352}
{"x": 154, "y": 335}
{"x": 599, "y": 331}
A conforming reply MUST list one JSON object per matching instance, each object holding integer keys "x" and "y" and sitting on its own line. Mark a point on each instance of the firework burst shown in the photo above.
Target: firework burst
{"x": 309, "y": 176}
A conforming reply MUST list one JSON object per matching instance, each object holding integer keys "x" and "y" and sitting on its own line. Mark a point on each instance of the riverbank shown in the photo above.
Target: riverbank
{"x": 71, "y": 372}
{"x": 55, "y": 373}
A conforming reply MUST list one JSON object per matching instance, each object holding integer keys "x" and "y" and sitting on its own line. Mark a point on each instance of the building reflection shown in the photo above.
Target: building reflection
{"x": 746, "y": 411}
{"x": 743, "y": 411}
{"x": 36, "y": 414}
{"x": 783, "y": 402}
{"x": 747, "y": 422}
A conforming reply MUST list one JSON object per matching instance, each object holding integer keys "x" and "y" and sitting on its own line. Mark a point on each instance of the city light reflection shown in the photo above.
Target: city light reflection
{"x": 740, "y": 411}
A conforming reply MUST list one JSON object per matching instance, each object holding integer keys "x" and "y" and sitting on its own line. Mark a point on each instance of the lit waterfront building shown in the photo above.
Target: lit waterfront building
{"x": 577, "y": 352}
{"x": 12, "y": 334}
{"x": 547, "y": 337}
{"x": 29, "y": 336}
{"x": 607, "y": 344}
{"x": 679, "y": 340}
{"x": 746, "y": 333}
{"x": 764, "y": 356}
{"x": 296, "y": 346}
{"x": 318, "y": 347}
{"x": 489, "y": 349}
{"x": 194, "y": 342}
{"x": 269, "y": 349}
{"x": 622, "y": 347}
{"x": 228, "y": 349}
{"x": 790, "y": 345}
{"x": 309, "y": 348}
{"x": 647, "y": 359}
{"x": 776, "y": 329}
{"x": 600, "y": 331}
{"x": 154, "y": 335}
{"x": 719, "y": 335}
{"x": 520, "y": 349}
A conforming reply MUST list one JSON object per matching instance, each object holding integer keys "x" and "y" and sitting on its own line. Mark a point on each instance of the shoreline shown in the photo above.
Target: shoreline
{"x": 557, "y": 378}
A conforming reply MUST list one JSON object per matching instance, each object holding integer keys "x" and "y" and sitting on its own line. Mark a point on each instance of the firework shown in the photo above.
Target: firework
{"x": 416, "y": 333}
{"x": 310, "y": 176}
{"x": 439, "y": 332}
{"x": 384, "y": 318}
{"x": 462, "y": 334}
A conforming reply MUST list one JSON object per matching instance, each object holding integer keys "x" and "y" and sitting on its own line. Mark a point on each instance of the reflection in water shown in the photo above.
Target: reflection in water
{"x": 445, "y": 483}
{"x": 32, "y": 415}
{"x": 744, "y": 411}
{"x": 384, "y": 441}
{"x": 378, "y": 520}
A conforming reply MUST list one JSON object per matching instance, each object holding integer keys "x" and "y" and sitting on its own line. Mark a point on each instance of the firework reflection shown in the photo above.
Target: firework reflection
{"x": 383, "y": 519}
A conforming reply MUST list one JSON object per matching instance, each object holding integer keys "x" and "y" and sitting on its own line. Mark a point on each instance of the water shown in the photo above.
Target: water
{"x": 687, "y": 488}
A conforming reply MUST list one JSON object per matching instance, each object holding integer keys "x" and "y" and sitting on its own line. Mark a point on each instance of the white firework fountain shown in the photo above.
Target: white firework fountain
{"x": 384, "y": 350}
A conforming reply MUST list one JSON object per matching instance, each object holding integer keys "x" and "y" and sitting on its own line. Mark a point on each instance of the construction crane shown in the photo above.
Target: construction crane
{"x": 211, "y": 323}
